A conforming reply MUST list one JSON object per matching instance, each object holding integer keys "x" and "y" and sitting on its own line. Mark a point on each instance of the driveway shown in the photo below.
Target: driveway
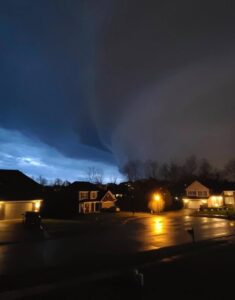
{"x": 13, "y": 231}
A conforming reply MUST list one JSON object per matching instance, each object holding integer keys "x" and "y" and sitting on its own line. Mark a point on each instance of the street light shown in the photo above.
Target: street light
{"x": 156, "y": 203}
{"x": 157, "y": 197}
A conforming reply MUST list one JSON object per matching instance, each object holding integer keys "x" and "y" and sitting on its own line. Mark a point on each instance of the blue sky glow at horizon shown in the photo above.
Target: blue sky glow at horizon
{"x": 37, "y": 159}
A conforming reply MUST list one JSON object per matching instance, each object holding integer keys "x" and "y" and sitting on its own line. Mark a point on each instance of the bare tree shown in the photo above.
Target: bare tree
{"x": 132, "y": 170}
{"x": 190, "y": 167}
{"x": 95, "y": 175}
{"x": 66, "y": 183}
{"x": 219, "y": 174}
{"x": 164, "y": 171}
{"x": 58, "y": 182}
{"x": 172, "y": 172}
{"x": 175, "y": 172}
{"x": 205, "y": 169}
{"x": 99, "y": 177}
{"x": 113, "y": 179}
{"x": 151, "y": 169}
{"x": 229, "y": 170}
{"x": 41, "y": 180}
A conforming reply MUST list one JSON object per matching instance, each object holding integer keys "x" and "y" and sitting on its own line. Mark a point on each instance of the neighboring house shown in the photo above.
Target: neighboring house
{"x": 91, "y": 199}
{"x": 18, "y": 194}
{"x": 117, "y": 190}
{"x": 108, "y": 201}
{"x": 209, "y": 194}
{"x": 87, "y": 197}
{"x": 97, "y": 202}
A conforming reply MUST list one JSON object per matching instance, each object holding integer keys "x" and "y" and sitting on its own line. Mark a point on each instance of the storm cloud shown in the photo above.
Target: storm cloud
{"x": 105, "y": 81}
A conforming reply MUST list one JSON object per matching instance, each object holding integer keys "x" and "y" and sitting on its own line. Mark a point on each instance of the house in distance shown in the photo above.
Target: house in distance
{"x": 91, "y": 199}
{"x": 209, "y": 194}
{"x": 18, "y": 194}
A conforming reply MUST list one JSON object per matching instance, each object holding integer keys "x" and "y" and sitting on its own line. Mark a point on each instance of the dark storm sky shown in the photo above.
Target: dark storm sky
{"x": 94, "y": 83}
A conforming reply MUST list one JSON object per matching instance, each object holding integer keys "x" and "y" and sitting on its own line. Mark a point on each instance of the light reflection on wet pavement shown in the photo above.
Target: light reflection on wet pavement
{"x": 136, "y": 234}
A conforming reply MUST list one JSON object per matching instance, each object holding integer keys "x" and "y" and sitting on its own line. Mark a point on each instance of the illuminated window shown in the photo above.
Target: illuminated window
{"x": 83, "y": 195}
{"x": 216, "y": 201}
{"x": 229, "y": 200}
{"x": 202, "y": 193}
{"x": 228, "y": 193}
{"x": 192, "y": 193}
{"x": 93, "y": 195}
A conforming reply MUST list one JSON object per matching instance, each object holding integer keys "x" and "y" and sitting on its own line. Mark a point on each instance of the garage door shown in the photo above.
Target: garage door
{"x": 194, "y": 204}
{"x": 15, "y": 210}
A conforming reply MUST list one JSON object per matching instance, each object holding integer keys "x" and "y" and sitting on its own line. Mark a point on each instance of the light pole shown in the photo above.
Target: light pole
{"x": 157, "y": 202}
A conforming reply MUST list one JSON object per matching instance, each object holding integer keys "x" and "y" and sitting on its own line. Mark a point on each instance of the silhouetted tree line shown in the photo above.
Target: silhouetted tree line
{"x": 144, "y": 179}
{"x": 57, "y": 183}
{"x": 192, "y": 168}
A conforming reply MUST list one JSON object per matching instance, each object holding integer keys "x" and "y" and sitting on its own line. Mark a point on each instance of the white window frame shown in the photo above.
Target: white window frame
{"x": 192, "y": 193}
{"x": 83, "y": 195}
{"x": 93, "y": 195}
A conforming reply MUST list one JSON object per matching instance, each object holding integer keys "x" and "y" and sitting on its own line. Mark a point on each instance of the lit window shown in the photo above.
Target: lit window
{"x": 229, "y": 200}
{"x": 192, "y": 193}
{"x": 228, "y": 193}
{"x": 93, "y": 195}
{"x": 83, "y": 195}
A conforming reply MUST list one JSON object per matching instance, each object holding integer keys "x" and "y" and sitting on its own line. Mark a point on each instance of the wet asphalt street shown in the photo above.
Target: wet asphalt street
{"x": 126, "y": 235}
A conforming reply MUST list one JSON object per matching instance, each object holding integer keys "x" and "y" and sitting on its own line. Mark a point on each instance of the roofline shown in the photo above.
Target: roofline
{"x": 21, "y": 201}
{"x": 113, "y": 196}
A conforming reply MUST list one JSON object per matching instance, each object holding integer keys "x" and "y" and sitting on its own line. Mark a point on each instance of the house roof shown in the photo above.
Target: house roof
{"x": 197, "y": 184}
{"x": 115, "y": 188}
{"x": 217, "y": 187}
{"x": 107, "y": 196}
{"x": 15, "y": 185}
{"x": 83, "y": 186}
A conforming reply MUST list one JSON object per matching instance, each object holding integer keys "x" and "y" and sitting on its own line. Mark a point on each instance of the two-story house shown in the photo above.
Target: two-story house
{"x": 90, "y": 199}
{"x": 86, "y": 197}
{"x": 197, "y": 194}
{"x": 210, "y": 194}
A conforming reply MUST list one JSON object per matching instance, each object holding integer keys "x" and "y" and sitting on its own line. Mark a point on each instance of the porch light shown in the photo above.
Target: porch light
{"x": 37, "y": 205}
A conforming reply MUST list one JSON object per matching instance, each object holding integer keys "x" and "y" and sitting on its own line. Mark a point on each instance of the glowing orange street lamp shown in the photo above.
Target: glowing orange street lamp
{"x": 156, "y": 203}
{"x": 157, "y": 197}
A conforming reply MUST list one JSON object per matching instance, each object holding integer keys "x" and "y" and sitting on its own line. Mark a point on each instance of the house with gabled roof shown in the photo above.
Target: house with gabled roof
{"x": 18, "y": 194}
{"x": 91, "y": 199}
{"x": 108, "y": 200}
{"x": 210, "y": 194}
